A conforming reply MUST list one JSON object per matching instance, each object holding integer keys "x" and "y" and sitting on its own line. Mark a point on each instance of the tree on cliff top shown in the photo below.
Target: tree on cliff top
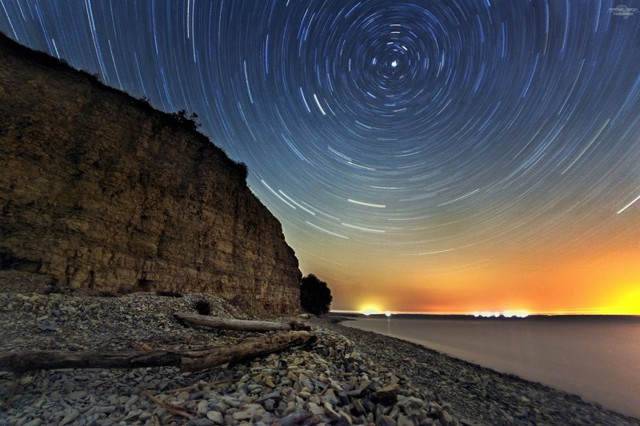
{"x": 188, "y": 121}
{"x": 315, "y": 295}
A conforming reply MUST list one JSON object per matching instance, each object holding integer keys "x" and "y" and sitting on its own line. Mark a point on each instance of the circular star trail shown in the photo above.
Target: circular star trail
{"x": 391, "y": 135}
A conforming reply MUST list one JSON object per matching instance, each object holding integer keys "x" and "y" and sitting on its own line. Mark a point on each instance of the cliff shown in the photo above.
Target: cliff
{"x": 99, "y": 191}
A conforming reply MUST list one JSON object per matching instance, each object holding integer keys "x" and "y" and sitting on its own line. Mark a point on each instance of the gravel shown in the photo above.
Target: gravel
{"x": 345, "y": 377}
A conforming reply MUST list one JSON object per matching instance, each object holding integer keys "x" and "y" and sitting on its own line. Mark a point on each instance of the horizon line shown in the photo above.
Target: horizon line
{"x": 472, "y": 314}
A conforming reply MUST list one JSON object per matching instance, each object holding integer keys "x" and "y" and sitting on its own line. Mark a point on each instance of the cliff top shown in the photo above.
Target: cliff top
{"x": 177, "y": 120}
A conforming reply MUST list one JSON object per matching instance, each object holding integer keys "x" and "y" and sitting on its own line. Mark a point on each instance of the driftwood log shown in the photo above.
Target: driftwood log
{"x": 236, "y": 324}
{"x": 22, "y": 361}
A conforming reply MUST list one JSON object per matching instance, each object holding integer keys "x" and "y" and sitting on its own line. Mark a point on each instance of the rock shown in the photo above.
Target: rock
{"x": 105, "y": 409}
{"x": 275, "y": 395}
{"x": 411, "y": 405}
{"x": 357, "y": 406}
{"x": 269, "y": 404}
{"x": 345, "y": 418}
{"x": 247, "y": 412}
{"x": 48, "y": 327}
{"x": 296, "y": 418}
{"x": 384, "y": 420}
{"x": 329, "y": 411}
{"x": 315, "y": 409}
{"x": 131, "y": 400}
{"x": 231, "y": 402}
{"x": 203, "y": 422}
{"x": 330, "y": 397}
{"x": 77, "y": 395}
{"x": 393, "y": 379}
{"x": 71, "y": 416}
{"x": 203, "y": 407}
{"x": 404, "y": 421}
{"x": 216, "y": 417}
{"x": 145, "y": 415}
{"x": 446, "y": 419}
{"x": 253, "y": 388}
{"x": 435, "y": 408}
{"x": 132, "y": 414}
{"x": 304, "y": 394}
{"x": 387, "y": 395}
{"x": 243, "y": 415}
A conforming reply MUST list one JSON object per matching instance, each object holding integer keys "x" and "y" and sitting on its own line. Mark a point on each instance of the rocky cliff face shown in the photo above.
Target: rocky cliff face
{"x": 99, "y": 191}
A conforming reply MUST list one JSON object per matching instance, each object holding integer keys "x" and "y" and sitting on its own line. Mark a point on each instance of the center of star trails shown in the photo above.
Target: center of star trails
{"x": 394, "y": 63}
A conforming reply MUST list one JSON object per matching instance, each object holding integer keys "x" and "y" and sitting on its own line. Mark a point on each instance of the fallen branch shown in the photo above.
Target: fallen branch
{"x": 188, "y": 360}
{"x": 236, "y": 324}
{"x": 169, "y": 407}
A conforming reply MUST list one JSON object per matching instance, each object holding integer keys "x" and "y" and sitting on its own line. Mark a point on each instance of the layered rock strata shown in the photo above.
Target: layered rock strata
{"x": 100, "y": 191}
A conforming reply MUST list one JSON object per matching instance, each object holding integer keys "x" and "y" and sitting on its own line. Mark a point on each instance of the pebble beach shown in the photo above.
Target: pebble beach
{"x": 344, "y": 377}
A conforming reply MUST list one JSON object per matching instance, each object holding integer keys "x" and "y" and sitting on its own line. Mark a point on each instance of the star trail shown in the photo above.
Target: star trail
{"x": 441, "y": 156}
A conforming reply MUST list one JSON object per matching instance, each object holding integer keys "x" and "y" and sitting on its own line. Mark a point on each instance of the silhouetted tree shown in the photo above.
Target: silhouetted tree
{"x": 244, "y": 170}
{"x": 315, "y": 296}
{"x": 188, "y": 121}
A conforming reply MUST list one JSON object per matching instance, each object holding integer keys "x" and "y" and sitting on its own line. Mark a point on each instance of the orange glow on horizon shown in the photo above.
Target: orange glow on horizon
{"x": 370, "y": 309}
{"x": 570, "y": 283}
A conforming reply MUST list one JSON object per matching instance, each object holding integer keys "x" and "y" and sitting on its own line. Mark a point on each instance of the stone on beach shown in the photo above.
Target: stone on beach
{"x": 346, "y": 377}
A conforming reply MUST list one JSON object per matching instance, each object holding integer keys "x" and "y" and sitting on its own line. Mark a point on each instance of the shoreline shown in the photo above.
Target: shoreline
{"x": 557, "y": 354}
{"x": 464, "y": 384}
{"x": 347, "y": 376}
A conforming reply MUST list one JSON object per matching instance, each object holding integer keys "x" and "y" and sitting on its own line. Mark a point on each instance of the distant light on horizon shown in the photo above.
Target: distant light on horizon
{"x": 521, "y": 313}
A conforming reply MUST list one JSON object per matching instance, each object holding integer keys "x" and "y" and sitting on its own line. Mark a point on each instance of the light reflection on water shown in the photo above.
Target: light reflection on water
{"x": 596, "y": 358}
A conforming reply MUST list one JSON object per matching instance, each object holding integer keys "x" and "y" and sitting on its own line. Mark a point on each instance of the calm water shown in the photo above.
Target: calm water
{"x": 596, "y": 358}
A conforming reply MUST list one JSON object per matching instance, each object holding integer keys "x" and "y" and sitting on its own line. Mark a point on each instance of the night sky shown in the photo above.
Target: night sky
{"x": 440, "y": 156}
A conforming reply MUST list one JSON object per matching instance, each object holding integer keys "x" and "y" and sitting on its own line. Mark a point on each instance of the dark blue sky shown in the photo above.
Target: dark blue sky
{"x": 411, "y": 149}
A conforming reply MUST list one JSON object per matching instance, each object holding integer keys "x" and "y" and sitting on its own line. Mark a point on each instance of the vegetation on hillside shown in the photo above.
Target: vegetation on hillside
{"x": 315, "y": 295}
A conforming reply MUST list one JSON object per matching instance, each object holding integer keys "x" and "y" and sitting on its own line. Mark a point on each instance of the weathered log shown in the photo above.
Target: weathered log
{"x": 236, "y": 324}
{"x": 21, "y": 361}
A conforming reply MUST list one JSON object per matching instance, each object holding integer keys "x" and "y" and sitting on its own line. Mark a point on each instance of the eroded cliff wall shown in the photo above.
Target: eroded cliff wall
{"x": 99, "y": 191}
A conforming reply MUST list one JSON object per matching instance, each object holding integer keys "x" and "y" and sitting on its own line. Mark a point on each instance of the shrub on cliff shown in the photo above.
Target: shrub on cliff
{"x": 315, "y": 295}
{"x": 244, "y": 170}
{"x": 187, "y": 121}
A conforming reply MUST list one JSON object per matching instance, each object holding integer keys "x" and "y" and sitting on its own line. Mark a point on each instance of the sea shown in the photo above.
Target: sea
{"x": 595, "y": 357}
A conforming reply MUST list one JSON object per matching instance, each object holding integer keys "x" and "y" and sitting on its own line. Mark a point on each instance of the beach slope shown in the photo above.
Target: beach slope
{"x": 345, "y": 377}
